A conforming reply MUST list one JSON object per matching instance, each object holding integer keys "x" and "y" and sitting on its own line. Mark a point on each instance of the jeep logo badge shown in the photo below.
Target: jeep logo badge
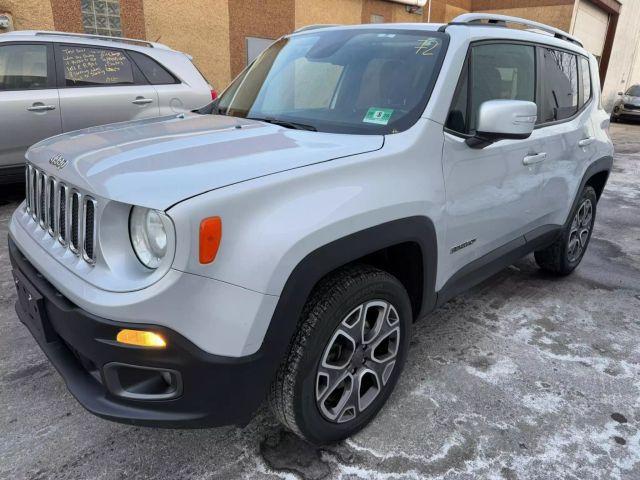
{"x": 58, "y": 161}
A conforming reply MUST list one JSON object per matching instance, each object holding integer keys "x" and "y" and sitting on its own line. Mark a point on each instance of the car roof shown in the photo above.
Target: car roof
{"x": 84, "y": 39}
{"x": 367, "y": 26}
{"x": 470, "y": 25}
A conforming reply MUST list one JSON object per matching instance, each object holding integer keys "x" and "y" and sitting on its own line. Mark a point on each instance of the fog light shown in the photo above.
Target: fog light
{"x": 141, "y": 338}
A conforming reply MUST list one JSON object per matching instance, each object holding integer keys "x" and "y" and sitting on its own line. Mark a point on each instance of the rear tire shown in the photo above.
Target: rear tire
{"x": 346, "y": 356}
{"x": 565, "y": 254}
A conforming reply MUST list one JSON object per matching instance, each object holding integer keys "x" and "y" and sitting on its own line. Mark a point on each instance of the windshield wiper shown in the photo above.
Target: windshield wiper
{"x": 285, "y": 123}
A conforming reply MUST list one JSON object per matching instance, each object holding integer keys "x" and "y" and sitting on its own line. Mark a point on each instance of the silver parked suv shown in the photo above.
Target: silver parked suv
{"x": 280, "y": 243}
{"x": 627, "y": 106}
{"x": 54, "y": 82}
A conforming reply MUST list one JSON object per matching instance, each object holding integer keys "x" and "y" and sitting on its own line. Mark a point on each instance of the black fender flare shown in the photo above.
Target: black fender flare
{"x": 324, "y": 260}
{"x": 603, "y": 164}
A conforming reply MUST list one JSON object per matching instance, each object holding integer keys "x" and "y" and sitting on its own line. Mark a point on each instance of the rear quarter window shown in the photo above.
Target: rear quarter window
{"x": 586, "y": 81}
{"x": 155, "y": 73}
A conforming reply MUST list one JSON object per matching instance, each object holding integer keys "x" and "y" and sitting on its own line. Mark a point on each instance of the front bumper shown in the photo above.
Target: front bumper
{"x": 214, "y": 390}
{"x": 621, "y": 111}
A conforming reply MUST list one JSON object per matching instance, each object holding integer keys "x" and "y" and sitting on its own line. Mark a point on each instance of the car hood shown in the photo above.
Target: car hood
{"x": 158, "y": 162}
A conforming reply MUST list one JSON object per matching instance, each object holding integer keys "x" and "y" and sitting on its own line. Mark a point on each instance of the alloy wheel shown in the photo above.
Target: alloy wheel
{"x": 358, "y": 361}
{"x": 580, "y": 230}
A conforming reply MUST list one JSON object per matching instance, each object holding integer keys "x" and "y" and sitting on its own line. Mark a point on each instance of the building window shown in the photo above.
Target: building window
{"x": 377, "y": 18}
{"x": 101, "y": 17}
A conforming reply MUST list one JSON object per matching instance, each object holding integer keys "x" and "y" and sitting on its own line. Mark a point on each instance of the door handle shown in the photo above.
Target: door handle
{"x": 41, "y": 108}
{"x": 537, "y": 158}
{"x": 142, "y": 101}
{"x": 585, "y": 141}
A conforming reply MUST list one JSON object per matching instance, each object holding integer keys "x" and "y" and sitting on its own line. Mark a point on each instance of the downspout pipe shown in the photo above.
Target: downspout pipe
{"x": 413, "y": 3}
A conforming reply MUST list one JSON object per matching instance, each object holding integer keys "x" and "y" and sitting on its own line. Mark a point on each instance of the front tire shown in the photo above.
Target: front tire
{"x": 565, "y": 254}
{"x": 615, "y": 115}
{"x": 346, "y": 356}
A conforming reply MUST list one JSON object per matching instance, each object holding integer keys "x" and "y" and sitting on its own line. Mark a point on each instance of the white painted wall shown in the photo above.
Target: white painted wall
{"x": 590, "y": 26}
{"x": 624, "y": 64}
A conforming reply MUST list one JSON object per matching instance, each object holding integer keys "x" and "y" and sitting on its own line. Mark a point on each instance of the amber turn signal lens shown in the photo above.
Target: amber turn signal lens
{"x": 141, "y": 338}
{"x": 210, "y": 236}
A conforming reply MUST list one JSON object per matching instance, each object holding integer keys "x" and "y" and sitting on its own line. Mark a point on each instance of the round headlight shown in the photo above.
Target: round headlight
{"x": 148, "y": 236}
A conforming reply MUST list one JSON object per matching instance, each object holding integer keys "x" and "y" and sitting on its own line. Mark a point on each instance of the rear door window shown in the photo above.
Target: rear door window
{"x": 155, "y": 73}
{"x": 24, "y": 67}
{"x": 560, "y": 92}
{"x": 85, "y": 66}
{"x": 493, "y": 71}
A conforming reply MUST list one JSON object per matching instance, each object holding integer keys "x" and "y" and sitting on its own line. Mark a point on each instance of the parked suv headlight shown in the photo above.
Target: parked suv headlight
{"x": 148, "y": 232}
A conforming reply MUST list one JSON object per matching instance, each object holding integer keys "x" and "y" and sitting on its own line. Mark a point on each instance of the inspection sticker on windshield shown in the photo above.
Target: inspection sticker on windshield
{"x": 426, "y": 47}
{"x": 381, "y": 116}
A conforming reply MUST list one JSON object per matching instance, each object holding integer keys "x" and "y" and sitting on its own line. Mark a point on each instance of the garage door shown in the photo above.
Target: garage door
{"x": 591, "y": 27}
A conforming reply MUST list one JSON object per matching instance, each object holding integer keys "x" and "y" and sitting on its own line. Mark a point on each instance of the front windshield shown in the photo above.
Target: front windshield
{"x": 634, "y": 91}
{"x": 369, "y": 81}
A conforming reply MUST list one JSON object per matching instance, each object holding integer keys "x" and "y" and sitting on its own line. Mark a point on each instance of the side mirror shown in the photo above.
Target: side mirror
{"x": 620, "y": 93}
{"x": 503, "y": 119}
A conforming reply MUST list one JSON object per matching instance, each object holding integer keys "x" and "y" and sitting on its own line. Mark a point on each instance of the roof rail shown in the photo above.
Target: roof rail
{"x": 502, "y": 20}
{"x": 104, "y": 37}
{"x": 316, "y": 27}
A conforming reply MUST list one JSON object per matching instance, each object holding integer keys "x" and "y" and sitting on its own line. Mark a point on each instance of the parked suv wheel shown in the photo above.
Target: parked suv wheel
{"x": 565, "y": 254}
{"x": 346, "y": 356}
{"x": 615, "y": 114}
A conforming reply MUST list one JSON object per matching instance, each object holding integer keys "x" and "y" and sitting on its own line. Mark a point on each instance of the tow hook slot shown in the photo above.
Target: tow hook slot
{"x": 136, "y": 382}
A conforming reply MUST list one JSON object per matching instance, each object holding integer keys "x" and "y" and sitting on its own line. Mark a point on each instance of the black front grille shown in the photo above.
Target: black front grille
{"x": 51, "y": 192}
{"x": 628, "y": 106}
{"x": 62, "y": 215}
{"x": 27, "y": 184}
{"x": 89, "y": 211}
{"x": 75, "y": 227}
{"x": 63, "y": 212}
{"x": 41, "y": 197}
{"x": 34, "y": 193}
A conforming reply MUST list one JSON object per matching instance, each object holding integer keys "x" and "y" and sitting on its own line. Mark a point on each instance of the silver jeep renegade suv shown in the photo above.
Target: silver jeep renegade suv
{"x": 280, "y": 243}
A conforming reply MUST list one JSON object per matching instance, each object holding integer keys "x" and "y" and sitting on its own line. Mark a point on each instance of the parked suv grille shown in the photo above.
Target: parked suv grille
{"x": 63, "y": 212}
{"x": 630, "y": 106}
